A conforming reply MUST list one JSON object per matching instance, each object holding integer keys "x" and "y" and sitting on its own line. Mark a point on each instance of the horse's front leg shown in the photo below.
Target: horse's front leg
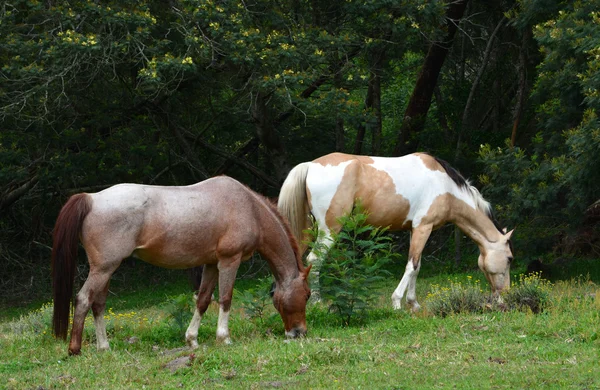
{"x": 228, "y": 268}
{"x": 205, "y": 291}
{"x": 419, "y": 238}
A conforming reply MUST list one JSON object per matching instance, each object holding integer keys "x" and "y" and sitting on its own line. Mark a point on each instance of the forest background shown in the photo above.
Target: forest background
{"x": 95, "y": 93}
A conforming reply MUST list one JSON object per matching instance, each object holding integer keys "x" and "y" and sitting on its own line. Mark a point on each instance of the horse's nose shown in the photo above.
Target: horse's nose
{"x": 296, "y": 332}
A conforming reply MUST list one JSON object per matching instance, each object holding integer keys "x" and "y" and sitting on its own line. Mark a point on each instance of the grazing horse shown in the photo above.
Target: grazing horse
{"x": 218, "y": 222}
{"x": 416, "y": 192}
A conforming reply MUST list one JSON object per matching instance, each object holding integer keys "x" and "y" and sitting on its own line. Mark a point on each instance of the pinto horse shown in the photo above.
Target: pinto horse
{"x": 416, "y": 192}
{"x": 218, "y": 222}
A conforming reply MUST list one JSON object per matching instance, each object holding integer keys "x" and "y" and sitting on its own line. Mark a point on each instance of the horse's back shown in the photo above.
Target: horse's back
{"x": 173, "y": 226}
{"x": 394, "y": 190}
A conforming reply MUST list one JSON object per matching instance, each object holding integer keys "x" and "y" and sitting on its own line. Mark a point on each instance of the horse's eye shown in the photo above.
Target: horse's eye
{"x": 510, "y": 259}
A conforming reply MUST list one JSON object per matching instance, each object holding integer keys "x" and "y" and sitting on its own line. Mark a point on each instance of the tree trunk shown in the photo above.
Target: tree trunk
{"x": 522, "y": 87}
{"x": 441, "y": 115}
{"x": 372, "y": 102}
{"x": 467, "y": 111}
{"x": 339, "y": 121}
{"x": 362, "y": 129}
{"x": 376, "y": 101}
{"x": 420, "y": 101}
{"x": 269, "y": 137}
{"x": 339, "y": 135}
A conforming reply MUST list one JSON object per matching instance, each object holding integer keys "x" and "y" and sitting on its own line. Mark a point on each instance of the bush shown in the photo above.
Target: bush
{"x": 349, "y": 270}
{"x": 458, "y": 298}
{"x": 257, "y": 299}
{"x": 180, "y": 311}
{"x": 532, "y": 292}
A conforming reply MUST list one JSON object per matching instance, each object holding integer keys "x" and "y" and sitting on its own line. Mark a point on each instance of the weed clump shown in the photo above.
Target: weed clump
{"x": 530, "y": 293}
{"x": 457, "y": 298}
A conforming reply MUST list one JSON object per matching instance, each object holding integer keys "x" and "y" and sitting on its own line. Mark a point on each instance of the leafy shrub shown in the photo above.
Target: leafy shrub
{"x": 180, "y": 311}
{"x": 349, "y": 270}
{"x": 257, "y": 299}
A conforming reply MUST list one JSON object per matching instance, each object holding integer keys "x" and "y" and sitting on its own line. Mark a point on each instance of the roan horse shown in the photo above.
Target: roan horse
{"x": 417, "y": 192}
{"x": 218, "y": 222}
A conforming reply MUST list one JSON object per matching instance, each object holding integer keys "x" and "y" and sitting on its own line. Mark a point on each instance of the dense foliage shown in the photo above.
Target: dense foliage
{"x": 97, "y": 93}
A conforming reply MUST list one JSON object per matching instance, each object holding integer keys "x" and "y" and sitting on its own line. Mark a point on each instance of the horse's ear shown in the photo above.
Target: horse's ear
{"x": 504, "y": 230}
{"x": 507, "y": 235}
{"x": 306, "y": 271}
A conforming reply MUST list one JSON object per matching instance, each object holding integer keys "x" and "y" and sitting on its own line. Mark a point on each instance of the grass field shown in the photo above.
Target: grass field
{"x": 387, "y": 349}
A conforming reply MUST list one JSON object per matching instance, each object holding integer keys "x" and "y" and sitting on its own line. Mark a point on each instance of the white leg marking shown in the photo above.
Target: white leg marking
{"x": 223, "y": 326}
{"x": 411, "y": 295}
{"x": 324, "y": 242}
{"x": 101, "y": 338}
{"x": 191, "y": 334}
{"x": 404, "y": 283}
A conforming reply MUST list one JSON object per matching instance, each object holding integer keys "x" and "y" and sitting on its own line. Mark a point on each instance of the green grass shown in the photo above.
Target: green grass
{"x": 387, "y": 349}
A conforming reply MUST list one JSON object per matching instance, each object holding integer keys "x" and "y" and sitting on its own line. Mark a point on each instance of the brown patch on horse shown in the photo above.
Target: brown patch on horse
{"x": 377, "y": 194}
{"x": 448, "y": 208}
{"x": 335, "y": 159}
{"x": 430, "y": 162}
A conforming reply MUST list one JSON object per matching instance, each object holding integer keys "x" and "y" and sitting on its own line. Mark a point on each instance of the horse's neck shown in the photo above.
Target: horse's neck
{"x": 277, "y": 249}
{"x": 477, "y": 225}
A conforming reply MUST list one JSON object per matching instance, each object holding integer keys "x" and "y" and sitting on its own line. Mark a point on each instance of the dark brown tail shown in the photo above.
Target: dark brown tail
{"x": 64, "y": 258}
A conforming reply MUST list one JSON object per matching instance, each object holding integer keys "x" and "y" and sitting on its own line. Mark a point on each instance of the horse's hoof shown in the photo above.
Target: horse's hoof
{"x": 415, "y": 307}
{"x": 74, "y": 351}
{"x": 103, "y": 347}
{"x": 224, "y": 340}
{"x": 193, "y": 344}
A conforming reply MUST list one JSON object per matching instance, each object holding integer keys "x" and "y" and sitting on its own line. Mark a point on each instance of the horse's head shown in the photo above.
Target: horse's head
{"x": 290, "y": 300}
{"x": 495, "y": 260}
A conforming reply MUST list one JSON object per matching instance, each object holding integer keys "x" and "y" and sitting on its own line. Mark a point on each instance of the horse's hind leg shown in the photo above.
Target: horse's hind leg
{"x": 98, "y": 307}
{"x": 205, "y": 291}
{"x": 92, "y": 294}
{"x": 323, "y": 243}
{"x": 418, "y": 239}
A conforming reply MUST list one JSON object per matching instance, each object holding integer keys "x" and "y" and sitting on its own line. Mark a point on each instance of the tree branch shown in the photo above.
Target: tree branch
{"x": 12, "y": 196}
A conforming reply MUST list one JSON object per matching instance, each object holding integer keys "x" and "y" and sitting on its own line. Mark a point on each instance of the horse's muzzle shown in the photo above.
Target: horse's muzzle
{"x": 295, "y": 332}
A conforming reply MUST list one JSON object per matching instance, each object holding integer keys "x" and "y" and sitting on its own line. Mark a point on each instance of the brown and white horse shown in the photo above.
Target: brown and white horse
{"x": 416, "y": 192}
{"x": 218, "y": 222}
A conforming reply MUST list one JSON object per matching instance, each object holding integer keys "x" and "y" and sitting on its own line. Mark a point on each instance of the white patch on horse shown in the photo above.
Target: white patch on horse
{"x": 223, "y": 326}
{"x": 324, "y": 182}
{"x": 191, "y": 334}
{"x": 409, "y": 173}
{"x": 410, "y": 276}
{"x": 101, "y": 338}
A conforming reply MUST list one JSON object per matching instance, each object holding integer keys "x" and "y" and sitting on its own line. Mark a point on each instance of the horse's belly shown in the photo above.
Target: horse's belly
{"x": 175, "y": 258}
